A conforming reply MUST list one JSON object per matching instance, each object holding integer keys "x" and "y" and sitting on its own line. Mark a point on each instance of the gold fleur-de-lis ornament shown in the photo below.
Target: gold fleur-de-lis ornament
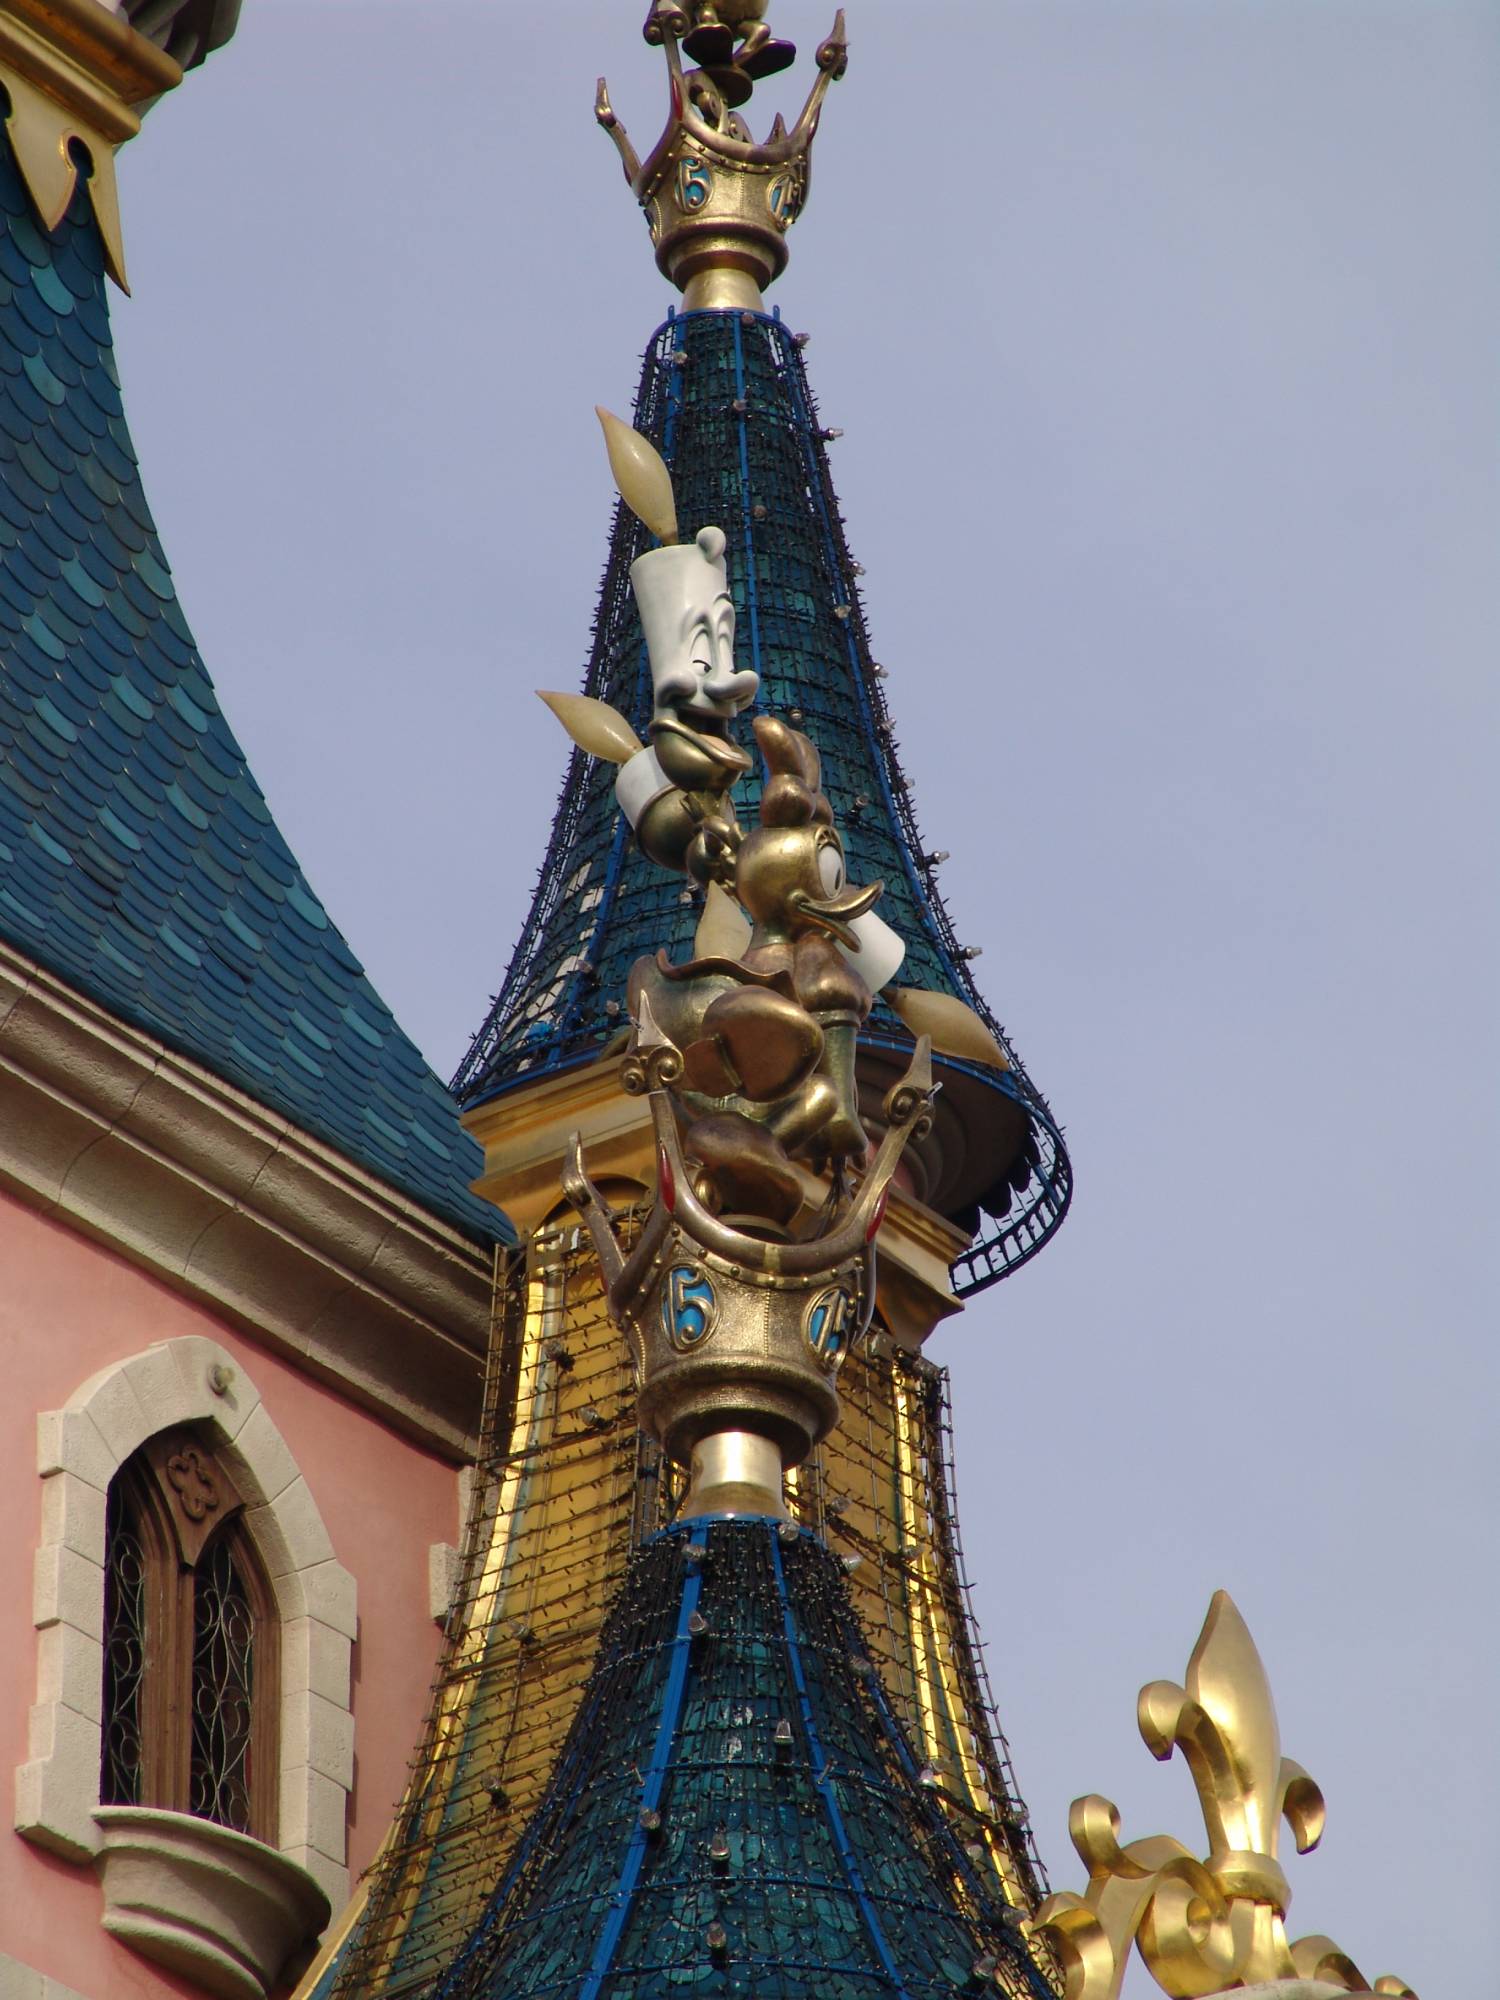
{"x": 1215, "y": 1925}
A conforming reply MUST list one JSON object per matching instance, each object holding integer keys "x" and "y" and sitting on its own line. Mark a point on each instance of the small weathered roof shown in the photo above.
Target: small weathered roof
{"x": 138, "y": 858}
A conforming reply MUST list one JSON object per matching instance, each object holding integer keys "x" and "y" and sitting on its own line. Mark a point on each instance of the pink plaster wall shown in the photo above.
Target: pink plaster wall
{"x": 69, "y": 1308}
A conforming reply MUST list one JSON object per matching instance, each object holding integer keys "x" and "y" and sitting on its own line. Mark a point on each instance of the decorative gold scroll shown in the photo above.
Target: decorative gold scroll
{"x": 1201, "y": 1927}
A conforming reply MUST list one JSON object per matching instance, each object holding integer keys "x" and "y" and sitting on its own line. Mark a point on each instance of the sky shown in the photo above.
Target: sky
{"x": 1165, "y": 337}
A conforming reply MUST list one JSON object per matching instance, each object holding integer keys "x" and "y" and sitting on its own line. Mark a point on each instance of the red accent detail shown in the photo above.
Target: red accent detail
{"x": 878, "y": 1217}
{"x": 667, "y": 1183}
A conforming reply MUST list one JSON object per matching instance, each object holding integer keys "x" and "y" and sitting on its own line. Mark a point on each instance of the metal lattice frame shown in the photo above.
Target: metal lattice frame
{"x": 726, "y": 399}
{"x": 567, "y": 1489}
{"x": 737, "y": 1808}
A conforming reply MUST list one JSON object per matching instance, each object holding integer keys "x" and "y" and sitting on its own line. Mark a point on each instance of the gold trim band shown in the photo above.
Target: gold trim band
{"x": 73, "y": 70}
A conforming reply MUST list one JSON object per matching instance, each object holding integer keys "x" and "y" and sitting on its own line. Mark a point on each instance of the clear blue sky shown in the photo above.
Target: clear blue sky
{"x": 1166, "y": 339}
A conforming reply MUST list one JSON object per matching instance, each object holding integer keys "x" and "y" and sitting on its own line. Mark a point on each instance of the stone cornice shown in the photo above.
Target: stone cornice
{"x": 107, "y": 1130}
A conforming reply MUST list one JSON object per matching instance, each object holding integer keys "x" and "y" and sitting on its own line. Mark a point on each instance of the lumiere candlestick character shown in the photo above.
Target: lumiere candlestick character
{"x": 675, "y": 790}
{"x": 751, "y": 1279}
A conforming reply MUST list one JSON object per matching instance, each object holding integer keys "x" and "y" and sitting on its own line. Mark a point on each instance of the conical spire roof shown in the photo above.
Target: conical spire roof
{"x": 139, "y": 860}
{"x": 725, "y": 397}
{"x": 737, "y": 1810}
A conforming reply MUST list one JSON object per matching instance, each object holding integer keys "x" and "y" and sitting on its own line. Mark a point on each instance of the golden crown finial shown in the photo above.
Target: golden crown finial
{"x": 1210, "y": 1926}
{"x": 719, "y": 203}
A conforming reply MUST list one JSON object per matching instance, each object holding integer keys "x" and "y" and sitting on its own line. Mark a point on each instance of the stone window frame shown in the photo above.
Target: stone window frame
{"x": 80, "y": 1448}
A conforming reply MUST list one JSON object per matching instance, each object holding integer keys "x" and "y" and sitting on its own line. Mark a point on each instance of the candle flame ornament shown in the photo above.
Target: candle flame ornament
{"x": 640, "y": 473}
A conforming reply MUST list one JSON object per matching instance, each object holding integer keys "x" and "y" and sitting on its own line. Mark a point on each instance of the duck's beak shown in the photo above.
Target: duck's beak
{"x": 835, "y": 914}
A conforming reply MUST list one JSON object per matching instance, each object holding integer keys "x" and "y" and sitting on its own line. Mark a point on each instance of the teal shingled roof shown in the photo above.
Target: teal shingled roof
{"x": 726, "y": 399}
{"x": 737, "y": 1811}
{"x": 138, "y": 859}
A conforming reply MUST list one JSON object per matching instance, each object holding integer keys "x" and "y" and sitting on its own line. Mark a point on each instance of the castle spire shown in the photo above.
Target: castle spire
{"x": 707, "y": 1099}
{"x": 725, "y": 399}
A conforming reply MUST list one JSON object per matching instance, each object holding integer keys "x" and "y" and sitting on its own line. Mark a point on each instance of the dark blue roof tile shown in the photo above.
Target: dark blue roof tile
{"x": 89, "y": 311}
{"x": 105, "y": 488}
{"x": 39, "y": 465}
{"x": 14, "y": 424}
{"x": 94, "y": 420}
{"x": 49, "y": 713}
{"x": 24, "y": 342}
{"x": 71, "y": 431}
{"x": 54, "y": 537}
{"x": 13, "y": 265}
{"x": 31, "y": 795}
{"x": 34, "y": 309}
{"x": 13, "y": 589}
{"x": 29, "y": 495}
{"x": 12, "y": 504}
{"x": 56, "y": 450}
{"x": 83, "y": 586}
{"x": 55, "y": 614}
{"x": 76, "y": 340}
{"x": 51, "y": 291}
{"x": 116, "y": 465}
{"x": 140, "y": 860}
{"x": 246, "y": 811}
{"x": 26, "y": 399}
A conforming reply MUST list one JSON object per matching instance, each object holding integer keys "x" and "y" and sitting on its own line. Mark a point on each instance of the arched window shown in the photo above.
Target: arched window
{"x": 261, "y": 1628}
{"x": 191, "y": 1666}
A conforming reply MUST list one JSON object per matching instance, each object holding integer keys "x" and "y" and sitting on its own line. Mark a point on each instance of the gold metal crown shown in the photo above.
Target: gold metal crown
{"x": 719, "y": 204}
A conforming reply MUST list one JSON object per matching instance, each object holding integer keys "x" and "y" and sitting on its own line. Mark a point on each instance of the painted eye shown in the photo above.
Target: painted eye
{"x": 830, "y": 870}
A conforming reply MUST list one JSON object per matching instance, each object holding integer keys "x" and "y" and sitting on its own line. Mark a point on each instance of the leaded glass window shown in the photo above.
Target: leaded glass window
{"x": 224, "y": 1665}
{"x": 126, "y": 1638}
{"x": 190, "y": 1643}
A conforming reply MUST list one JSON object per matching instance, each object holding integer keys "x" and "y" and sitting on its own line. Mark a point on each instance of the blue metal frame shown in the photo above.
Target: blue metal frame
{"x": 824, "y": 1861}
{"x": 826, "y": 1791}
{"x": 656, "y": 1772}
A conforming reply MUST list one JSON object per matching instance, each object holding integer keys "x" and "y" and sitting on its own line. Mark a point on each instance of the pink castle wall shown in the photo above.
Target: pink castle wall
{"x": 69, "y": 1308}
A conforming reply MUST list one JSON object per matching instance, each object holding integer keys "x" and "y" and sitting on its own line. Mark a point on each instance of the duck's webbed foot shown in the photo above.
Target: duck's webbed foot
{"x": 762, "y": 55}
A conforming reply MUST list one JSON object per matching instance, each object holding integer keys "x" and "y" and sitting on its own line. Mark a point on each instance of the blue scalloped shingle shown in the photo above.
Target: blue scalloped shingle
{"x": 140, "y": 861}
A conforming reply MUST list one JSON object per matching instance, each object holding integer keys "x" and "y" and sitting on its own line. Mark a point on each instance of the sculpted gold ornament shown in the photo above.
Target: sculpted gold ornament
{"x": 718, "y": 202}
{"x": 74, "y": 80}
{"x": 755, "y": 1272}
{"x": 1210, "y": 1926}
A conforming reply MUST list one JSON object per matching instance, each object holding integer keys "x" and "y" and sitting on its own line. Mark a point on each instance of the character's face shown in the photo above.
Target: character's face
{"x": 698, "y": 677}
{"x": 791, "y": 880}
